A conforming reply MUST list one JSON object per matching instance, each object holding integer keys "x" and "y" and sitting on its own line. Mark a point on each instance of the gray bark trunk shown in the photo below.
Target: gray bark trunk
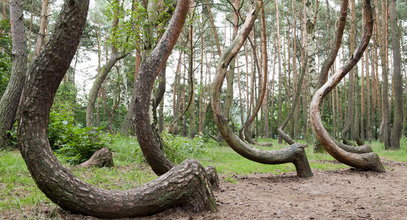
{"x": 397, "y": 128}
{"x": 9, "y": 102}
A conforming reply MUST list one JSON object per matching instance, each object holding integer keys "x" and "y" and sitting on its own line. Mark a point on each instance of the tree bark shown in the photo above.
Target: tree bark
{"x": 127, "y": 125}
{"x": 43, "y": 27}
{"x": 101, "y": 158}
{"x": 364, "y": 161}
{"x": 185, "y": 185}
{"x": 9, "y": 102}
{"x": 385, "y": 127}
{"x": 294, "y": 153}
{"x": 397, "y": 79}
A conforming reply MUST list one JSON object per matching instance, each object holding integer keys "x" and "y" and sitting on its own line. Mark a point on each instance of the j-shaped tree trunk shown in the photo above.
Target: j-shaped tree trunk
{"x": 364, "y": 161}
{"x": 298, "y": 90}
{"x": 245, "y": 130}
{"x": 9, "y": 102}
{"x": 150, "y": 142}
{"x": 293, "y": 154}
{"x": 185, "y": 185}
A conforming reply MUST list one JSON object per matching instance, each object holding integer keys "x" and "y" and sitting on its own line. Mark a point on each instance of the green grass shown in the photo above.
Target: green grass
{"x": 19, "y": 192}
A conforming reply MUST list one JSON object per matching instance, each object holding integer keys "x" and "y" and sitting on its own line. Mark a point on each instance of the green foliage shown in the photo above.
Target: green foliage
{"x": 71, "y": 142}
{"x": 177, "y": 148}
{"x": 127, "y": 150}
{"x": 5, "y": 55}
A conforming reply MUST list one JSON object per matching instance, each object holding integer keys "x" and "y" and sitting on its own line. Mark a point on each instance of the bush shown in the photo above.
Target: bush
{"x": 71, "y": 142}
{"x": 177, "y": 148}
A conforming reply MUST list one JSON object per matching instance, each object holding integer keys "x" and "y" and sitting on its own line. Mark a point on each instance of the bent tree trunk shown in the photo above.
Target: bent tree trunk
{"x": 293, "y": 154}
{"x": 97, "y": 84}
{"x": 185, "y": 185}
{"x": 245, "y": 130}
{"x": 10, "y": 100}
{"x": 364, "y": 161}
{"x": 149, "y": 140}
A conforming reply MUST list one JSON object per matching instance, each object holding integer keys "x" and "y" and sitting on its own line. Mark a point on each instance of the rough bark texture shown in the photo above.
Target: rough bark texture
{"x": 10, "y": 100}
{"x": 397, "y": 79}
{"x": 295, "y": 153}
{"x": 365, "y": 161}
{"x": 185, "y": 185}
{"x": 101, "y": 158}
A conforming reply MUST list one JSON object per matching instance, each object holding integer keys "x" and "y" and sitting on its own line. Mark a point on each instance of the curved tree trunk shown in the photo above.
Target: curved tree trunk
{"x": 280, "y": 130}
{"x": 9, "y": 102}
{"x": 185, "y": 185}
{"x": 323, "y": 76}
{"x": 245, "y": 130}
{"x": 97, "y": 84}
{"x": 149, "y": 140}
{"x": 294, "y": 154}
{"x": 365, "y": 161}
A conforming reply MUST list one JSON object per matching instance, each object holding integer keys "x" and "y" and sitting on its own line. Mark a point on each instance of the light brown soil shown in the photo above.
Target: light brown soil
{"x": 339, "y": 194}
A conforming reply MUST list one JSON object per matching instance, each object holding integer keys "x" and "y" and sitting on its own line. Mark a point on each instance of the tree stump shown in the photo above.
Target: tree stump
{"x": 101, "y": 158}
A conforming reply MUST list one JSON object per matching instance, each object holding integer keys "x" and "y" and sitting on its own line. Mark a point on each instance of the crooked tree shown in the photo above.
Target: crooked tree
{"x": 361, "y": 160}
{"x": 294, "y": 154}
{"x": 184, "y": 185}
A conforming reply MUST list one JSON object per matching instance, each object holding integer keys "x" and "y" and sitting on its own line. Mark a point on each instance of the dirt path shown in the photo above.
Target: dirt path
{"x": 341, "y": 194}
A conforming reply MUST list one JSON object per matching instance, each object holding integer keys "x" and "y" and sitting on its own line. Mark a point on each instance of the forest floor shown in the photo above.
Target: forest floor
{"x": 247, "y": 190}
{"x": 337, "y": 194}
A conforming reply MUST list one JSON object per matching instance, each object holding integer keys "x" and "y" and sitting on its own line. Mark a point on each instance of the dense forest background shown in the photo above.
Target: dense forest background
{"x": 298, "y": 36}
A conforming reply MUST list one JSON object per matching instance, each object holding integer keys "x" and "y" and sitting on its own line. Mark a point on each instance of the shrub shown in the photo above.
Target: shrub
{"x": 177, "y": 148}
{"x": 71, "y": 142}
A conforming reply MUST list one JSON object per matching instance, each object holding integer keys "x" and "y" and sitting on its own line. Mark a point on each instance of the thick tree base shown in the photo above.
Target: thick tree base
{"x": 101, "y": 158}
{"x": 301, "y": 162}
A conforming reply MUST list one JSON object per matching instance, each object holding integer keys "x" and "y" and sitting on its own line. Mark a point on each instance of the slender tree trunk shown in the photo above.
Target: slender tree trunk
{"x": 103, "y": 72}
{"x": 9, "y": 102}
{"x": 385, "y": 126}
{"x": 280, "y": 74}
{"x": 231, "y": 73}
{"x": 397, "y": 79}
{"x": 43, "y": 27}
{"x": 127, "y": 124}
{"x": 191, "y": 110}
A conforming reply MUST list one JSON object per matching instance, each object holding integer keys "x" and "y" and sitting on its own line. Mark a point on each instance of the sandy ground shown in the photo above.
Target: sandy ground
{"x": 339, "y": 194}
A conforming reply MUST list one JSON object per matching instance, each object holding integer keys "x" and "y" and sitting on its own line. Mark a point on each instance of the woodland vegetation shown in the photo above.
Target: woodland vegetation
{"x": 187, "y": 78}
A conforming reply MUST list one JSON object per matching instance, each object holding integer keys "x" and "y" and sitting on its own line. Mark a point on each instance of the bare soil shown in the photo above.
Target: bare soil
{"x": 339, "y": 194}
